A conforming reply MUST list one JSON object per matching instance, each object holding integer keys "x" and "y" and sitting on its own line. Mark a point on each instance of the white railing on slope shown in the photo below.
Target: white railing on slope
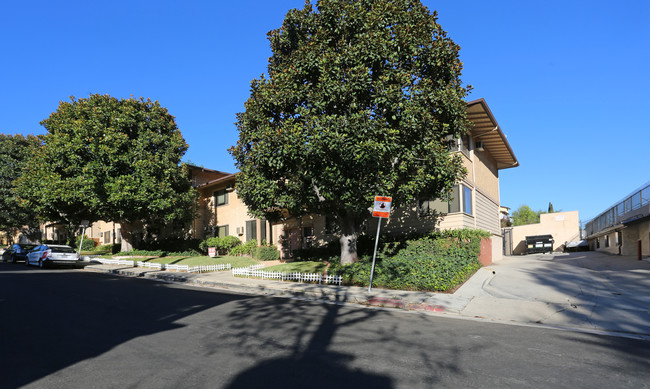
{"x": 162, "y": 266}
{"x": 273, "y": 275}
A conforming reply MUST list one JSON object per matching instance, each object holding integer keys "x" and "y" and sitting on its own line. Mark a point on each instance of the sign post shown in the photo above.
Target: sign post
{"x": 381, "y": 209}
{"x": 84, "y": 224}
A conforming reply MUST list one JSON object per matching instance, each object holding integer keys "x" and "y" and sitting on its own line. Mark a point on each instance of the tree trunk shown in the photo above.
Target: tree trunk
{"x": 128, "y": 231}
{"x": 349, "y": 235}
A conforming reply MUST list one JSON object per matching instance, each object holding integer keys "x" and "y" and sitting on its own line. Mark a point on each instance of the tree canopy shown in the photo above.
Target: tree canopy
{"x": 15, "y": 150}
{"x": 525, "y": 215}
{"x": 109, "y": 159}
{"x": 359, "y": 100}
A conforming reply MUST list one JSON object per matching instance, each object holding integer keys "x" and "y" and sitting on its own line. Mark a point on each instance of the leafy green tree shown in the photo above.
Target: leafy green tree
{"x": 360, "y": 99}
{"x": 550, "y": 207}
{"x": 15, "y": 150}
{"x": 525, "y": 215}
{"x": 109, "y": 159}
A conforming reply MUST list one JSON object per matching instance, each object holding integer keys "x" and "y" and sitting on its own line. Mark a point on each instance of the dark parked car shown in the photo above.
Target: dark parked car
{"x": 17, "y": 252}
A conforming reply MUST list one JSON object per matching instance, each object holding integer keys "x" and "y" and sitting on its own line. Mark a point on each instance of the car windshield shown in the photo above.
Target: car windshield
{"x": 62, "y": 249}
{"x": 27, "y": 246}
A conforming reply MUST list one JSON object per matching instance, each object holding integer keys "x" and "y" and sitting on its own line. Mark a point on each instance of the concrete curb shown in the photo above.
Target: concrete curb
{"x": 494, "y": 294}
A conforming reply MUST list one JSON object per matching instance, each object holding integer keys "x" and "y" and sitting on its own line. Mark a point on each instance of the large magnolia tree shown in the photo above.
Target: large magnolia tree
{"x": 109, "y": 159}
{"x": 359, "y": 100}
{"x": 15, "y": 150}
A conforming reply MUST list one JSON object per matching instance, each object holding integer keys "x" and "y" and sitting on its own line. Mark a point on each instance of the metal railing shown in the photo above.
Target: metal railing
{"x": 625, "y": 209}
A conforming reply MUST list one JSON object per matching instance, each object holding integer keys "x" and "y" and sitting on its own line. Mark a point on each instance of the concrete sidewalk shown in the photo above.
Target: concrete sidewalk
{"x": 587, "y": 291}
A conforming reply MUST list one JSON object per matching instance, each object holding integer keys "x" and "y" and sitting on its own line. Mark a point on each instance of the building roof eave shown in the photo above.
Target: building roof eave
{"x": 486, "y": 129}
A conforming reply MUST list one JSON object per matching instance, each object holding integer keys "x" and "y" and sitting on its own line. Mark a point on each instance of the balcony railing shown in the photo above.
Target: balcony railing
{"x": 635, "y": 205}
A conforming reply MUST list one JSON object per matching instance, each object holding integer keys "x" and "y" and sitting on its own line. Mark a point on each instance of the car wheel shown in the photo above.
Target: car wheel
{"x": 13, "y": 259}
{"x": 41, "y": 264}
{"x": 26, "y": 261}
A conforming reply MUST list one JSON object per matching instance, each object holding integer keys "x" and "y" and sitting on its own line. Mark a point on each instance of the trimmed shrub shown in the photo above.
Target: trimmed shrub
{"x": 267, "y": 253}
{"x": 222, "y": 245}
{"x": 87, "y": 245}
{"x": 437, "y": 262}
{"x": 244, "y": 249}
{"x": 109, "y": 248}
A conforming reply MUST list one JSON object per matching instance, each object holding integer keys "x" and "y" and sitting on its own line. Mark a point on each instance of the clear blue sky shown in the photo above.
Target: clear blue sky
{"x": 567, "y": 81}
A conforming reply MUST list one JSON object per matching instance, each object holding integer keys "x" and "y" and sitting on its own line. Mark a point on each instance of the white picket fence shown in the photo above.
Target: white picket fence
{"x": 255, "y": 272}
{"x": 162, "y": 266}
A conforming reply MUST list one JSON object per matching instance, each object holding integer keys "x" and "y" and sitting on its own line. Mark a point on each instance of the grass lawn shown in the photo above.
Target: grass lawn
{"x": 301, "y": 267}
{"x": 201, "y": 261}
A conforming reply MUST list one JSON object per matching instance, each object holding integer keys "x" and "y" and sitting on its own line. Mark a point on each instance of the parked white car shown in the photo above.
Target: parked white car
{"x": 46, "y": 254}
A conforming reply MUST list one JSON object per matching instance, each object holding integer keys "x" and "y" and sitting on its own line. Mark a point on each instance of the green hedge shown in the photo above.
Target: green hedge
{"x": 437, "y": 262}
{"x": 109, "y": 248}
{"x": 245, "y": 249}
{"x": 267, "y": 253}
{"x": 87, "y": 245}
{"x": 221, "y": 244}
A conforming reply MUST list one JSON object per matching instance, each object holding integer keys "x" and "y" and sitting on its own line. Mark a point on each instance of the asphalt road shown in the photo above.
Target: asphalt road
{"x": 62, "y": 328}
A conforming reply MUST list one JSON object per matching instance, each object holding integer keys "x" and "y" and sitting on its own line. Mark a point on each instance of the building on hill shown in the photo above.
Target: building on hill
{"x": 623, "y": 228}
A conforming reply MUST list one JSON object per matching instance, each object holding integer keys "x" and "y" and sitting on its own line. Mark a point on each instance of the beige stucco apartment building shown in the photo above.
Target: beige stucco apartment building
{"x": 221, "y": 213}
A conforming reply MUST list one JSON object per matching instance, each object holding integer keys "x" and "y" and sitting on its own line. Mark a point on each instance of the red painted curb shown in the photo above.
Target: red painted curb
{"x": 386, "y": 302}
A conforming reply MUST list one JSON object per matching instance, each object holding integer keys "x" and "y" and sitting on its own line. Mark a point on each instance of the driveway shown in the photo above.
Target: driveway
{"x": 587, "y": 289}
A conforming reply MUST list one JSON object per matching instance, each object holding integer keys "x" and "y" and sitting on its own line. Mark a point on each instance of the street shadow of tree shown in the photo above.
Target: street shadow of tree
{"x": 52, "y": 319}
{"x": 299, "y": 344}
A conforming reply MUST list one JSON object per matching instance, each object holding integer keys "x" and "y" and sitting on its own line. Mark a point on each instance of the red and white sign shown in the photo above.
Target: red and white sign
{"x": 212, "y": 252}
{"x": 382, "y": 206}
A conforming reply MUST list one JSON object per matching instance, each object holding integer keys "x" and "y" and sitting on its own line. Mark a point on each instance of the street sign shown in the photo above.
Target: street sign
{"x": 382, "y": 206}
{"x": 85, "y": 223}
{"x": 381, "y": 209}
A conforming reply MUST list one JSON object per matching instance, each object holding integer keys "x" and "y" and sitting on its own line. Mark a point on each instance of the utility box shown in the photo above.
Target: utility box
{"x": 539, "y": 244}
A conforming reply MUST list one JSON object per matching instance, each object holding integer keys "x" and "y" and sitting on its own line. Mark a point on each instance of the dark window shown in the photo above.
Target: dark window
{"x": 251, "y": 230}
{"x": 308, "y": 231}
{"x": 606, "y": 240}
{"x": 454, "y": 203}
{"x": 431, "y": 207}
{"x": 263, "y": 230}
{"x": 221, "y": 197}
{"x": 458, "y": 144}
{"x": 62, "y": 249}
{"x": 222, "y": 231}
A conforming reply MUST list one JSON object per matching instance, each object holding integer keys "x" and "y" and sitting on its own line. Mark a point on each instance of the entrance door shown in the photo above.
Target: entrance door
{"x": 507, "y": 242}
{"x": 294, "y": 240}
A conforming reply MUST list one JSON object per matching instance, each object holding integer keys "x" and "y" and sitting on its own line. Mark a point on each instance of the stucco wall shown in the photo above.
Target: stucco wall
{"x": 563, "y": 226}
{"x": 487, "y": 175}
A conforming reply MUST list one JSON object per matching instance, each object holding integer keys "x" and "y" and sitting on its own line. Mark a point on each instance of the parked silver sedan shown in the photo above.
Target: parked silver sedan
{"x": 46, "y": 254}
